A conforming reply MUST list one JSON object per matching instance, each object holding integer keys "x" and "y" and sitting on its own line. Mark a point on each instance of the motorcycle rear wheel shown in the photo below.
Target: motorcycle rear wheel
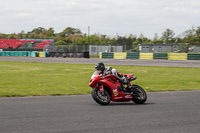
{"x": 99, "y": 97}
{"x": 140, "y": 95}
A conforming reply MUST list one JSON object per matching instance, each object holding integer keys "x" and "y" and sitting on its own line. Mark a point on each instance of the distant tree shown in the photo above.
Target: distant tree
{"x": 11, "y": 36}
{"x": 72, "y": 36}
{"x": 121, "y": 40}
{"x": 198, "y": 36}
{"x": 145, "y": 40}
{"x": 20, "y": 36}
{"x": 60, "y": 42}
{"x": 32, "y": 36}
{"x": 23, "y": 32}
{"x": 103, "y": 39}
{"x": 94, "y": 39}
{"x": 136, "y": 44}
{"x": 113, "y": 41}
{"x": 188, "y": 40}
{"x": 179, "y": 39}
{"x": 156, "y": 39}
{"x": 141, "y": 36}
{"x": 69, "y": 31}
{"x": 132, "y": 36}
{"x": 49, "y": 33}
{"x": 167, "y": 36}
{"x": 3, "y": 36}
{"x": 38, "y": 30}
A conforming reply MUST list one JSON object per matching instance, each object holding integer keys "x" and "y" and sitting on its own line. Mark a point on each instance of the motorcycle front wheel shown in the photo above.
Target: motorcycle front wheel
{"x": 102, "y": 98}
{"x": 139, "y": 95}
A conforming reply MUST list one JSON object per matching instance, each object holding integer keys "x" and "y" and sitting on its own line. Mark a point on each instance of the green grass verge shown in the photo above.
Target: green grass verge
{"x": 35, "y": 79}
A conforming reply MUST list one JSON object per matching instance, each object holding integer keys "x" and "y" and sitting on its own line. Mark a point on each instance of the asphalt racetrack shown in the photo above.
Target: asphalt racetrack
{"x": 163, "y": 112}
{"x": 170, "y": 63}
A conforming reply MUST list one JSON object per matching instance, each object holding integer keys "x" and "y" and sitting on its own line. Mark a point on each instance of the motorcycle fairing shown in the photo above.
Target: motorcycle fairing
{"x": 112, "y": 83}
{"x": 113, "y": 86}
{"x": 129, "y": 76}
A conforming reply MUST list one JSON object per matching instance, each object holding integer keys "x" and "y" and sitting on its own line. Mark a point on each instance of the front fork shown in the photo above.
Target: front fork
{"x": 101, "y": 89}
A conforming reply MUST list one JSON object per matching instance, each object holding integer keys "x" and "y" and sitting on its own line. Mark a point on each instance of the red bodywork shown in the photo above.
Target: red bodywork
{"x": 129, "y": 76}
{"x": 112, "y": 83}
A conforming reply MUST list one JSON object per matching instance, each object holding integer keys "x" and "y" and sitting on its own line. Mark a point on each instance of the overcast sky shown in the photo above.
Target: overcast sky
{"x": 110, "y": 17}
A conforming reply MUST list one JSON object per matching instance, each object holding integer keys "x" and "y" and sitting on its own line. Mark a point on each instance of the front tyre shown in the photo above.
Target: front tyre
{"x": 139, "y": 95}
{"x": 102, "y": 98}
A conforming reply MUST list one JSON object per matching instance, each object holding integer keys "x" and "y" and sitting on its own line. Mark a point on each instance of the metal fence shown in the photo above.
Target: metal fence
{"x": 93, "y": 49}
{"x": 66, "y": 48}
{"x": 96, "y": 49}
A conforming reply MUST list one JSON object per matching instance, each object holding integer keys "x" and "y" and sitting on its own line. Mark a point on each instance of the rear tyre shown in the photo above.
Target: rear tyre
{"x": 99, "y": 97}
{"x": 139, "y": 96}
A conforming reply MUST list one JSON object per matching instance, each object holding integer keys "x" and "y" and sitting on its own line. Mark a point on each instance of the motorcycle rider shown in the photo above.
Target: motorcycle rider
{"x": 109, "y": 70}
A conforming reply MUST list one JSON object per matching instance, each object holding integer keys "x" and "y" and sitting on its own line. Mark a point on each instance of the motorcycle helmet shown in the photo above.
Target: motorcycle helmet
{"x": 100, "y": 66}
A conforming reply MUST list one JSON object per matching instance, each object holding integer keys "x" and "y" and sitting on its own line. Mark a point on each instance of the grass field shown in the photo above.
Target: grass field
{"x": 31, "y": 79}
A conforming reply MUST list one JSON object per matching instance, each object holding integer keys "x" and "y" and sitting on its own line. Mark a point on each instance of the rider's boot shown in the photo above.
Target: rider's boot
{"x": 121, "y": 88}
{"x": 128, "y": 88}
{"x": 125, "y": 82}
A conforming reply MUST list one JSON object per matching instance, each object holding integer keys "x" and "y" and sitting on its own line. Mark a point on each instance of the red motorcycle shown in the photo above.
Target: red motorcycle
{"x": 108, "y": 88}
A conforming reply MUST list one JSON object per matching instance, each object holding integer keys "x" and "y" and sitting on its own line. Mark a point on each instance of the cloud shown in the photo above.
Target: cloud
{"x": 103, "y": 16}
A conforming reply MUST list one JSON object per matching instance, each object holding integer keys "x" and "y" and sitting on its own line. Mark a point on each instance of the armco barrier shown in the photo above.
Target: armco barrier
{"x": 16, "y": 53}
{"x": 7, "y": 53}
{"x": 193, "y": 56}
{"x": 120, "y": 55}
{"x": 29, "y": 54}
{"x": 24, "y": 53}
{"x": 84, "y": 54}
{"x": 40, "y": 54}
{"x": 100, "y": 55}
{"x": 133, "y": 56}
{"x": 162, "y": 56}
{"x": 146, "y": 56}
{"x": 177, "y": 56}
{"x": 11, "y": 53}
{"x": 21, "y": 53}
{"x": 107, "y": 55}
{"x": 34, "y": 54}
{"x": 2, "y": 53}
{"x": 45, "y": 54}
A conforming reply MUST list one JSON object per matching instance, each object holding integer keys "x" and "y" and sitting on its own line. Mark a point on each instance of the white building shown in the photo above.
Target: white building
{"x": 96, "y": 49}
{"x": 154, "y": 48}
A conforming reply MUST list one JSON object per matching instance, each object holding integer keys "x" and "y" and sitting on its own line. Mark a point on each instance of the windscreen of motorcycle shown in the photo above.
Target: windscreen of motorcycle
{"x": 95, "y": 73}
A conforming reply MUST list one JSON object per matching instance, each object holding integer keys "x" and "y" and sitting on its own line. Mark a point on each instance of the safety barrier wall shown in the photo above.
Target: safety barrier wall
{"x": 146, "y": 56}
{"x": 162, "y": 56}
{"x": 2, "y": 54}
{"x": 119, "y": 55}
{"x": 40, "y": 54}
{"x": 24, "y": 53}
{"x": 100, "y": 55}
{"x": 193, "y": 56}
{"x": 177, "y": 56}
{"x": 108, "y": 55}
{"x": 84, "y": 54}
{"x": 150, "y": 56}
{"x": 133, "y": 55}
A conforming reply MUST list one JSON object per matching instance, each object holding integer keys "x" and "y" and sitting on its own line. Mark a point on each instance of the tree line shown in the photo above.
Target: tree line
{"x": 74, "y": 36}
